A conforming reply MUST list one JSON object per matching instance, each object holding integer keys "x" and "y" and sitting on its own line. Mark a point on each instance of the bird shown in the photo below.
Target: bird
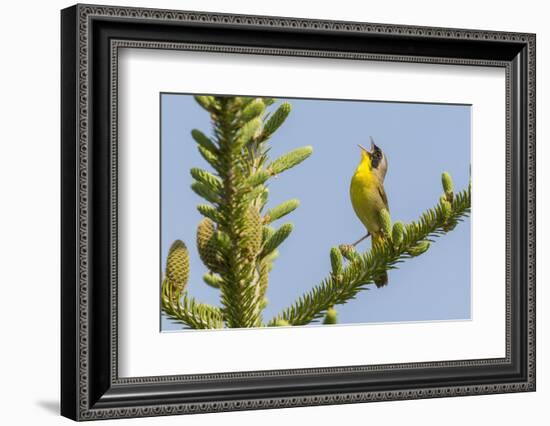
{"x": 368, "y": 196}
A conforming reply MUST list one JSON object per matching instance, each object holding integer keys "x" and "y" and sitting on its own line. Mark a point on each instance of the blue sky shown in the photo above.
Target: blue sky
{"x": 420, "y": 141}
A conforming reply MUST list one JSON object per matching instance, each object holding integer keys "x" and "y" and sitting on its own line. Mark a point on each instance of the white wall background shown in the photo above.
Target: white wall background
{"x": 29, "y": 211}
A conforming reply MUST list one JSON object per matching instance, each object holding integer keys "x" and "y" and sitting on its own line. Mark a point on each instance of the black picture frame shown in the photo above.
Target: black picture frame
{"x": 90, "y": 386}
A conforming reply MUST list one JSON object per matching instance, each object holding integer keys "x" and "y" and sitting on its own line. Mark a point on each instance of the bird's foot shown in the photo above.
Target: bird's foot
{"x": 362, "y": 239}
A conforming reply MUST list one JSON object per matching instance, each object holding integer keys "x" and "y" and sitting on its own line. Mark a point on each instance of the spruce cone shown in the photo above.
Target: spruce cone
{"x": 397, "y": 233}
{"x": 252, "y": 233}
{"x": 206, "y": 244}
{"x": 331, "y": 317}
{"x": 177, "y": 267}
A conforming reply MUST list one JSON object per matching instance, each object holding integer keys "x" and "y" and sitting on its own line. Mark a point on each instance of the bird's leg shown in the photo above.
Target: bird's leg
{"x": 363, "y": 238}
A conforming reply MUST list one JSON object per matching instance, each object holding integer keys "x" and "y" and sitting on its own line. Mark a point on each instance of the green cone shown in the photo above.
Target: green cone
{"x": 448, "y": 186}
{"x": 385, "y": 218}
{"x": 336, "y": 261}
{"x": 177, "y": 267}
{"x": 397, "y": 233}
{"x": 206, "y": 244}
{"x": 331, "y": 317}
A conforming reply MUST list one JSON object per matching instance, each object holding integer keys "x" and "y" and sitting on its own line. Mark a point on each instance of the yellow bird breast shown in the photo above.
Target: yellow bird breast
{"x": 366, "y": 199}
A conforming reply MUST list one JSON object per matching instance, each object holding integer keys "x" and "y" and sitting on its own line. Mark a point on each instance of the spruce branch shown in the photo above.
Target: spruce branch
{"x": 189, "y": 312}
{"x": 366, "y": 267}
{"x": 258, "y": 178}
{"x": 210, "y": 157}
{"x": 276, "y": 239}
{"x": 231, "y": 239}
{"x": 239, "y": 292}
{"x": 208, "y": 103}
{"x": 213, "y": 183}
{"x": 213, "y": 280}
{"x": 209, "y": 212}
{"x": 276, "y": 120}
{"x": 253, "y": 109}
{"x": 281, "y": 210}
{"x": 204, "y": 141}
{"x": 289, "y": 160}
{"x": 205, "y": 191}
{"x": 247, "y": 132}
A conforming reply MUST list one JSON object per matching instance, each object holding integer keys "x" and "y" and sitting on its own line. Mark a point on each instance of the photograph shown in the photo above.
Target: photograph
{"x": 282, "y": 212}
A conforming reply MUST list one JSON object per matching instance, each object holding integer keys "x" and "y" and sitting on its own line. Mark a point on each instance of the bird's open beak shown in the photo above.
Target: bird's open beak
{"x": 372, "y": 144}
{"x": 373, "y": 147}
{"x": 363, "y": 148}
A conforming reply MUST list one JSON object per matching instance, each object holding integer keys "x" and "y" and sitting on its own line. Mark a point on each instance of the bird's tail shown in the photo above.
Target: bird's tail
{"x": 382, "y": 279}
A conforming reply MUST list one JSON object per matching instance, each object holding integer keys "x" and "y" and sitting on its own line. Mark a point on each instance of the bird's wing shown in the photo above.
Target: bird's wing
{"x": 382, "y": 194}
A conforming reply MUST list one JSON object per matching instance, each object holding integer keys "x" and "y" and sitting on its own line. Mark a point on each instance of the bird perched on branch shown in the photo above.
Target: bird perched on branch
{"x": 368, "y": 196}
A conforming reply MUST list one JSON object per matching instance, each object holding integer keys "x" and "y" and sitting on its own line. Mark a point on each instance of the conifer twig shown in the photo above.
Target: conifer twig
{"x": 234, "y": 239}
{"x": 335, "y": 290}
{"x": 190, "y": 312}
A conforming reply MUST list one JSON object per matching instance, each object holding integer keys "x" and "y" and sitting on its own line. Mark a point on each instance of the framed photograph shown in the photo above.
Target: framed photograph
{"x": 263, "y": 212}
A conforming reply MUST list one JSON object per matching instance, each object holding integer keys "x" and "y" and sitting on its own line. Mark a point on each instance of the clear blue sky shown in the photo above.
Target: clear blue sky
{"x": 420, "y": 140}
